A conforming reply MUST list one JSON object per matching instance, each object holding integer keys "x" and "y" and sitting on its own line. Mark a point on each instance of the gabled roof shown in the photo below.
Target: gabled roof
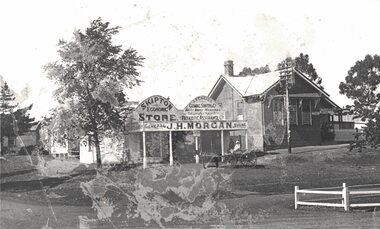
{"x": 259, "y": 84}
{"x": 249, "y": 85}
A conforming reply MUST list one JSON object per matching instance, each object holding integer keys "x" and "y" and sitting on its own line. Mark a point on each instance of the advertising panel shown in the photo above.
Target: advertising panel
{"x": 202, "y": 108}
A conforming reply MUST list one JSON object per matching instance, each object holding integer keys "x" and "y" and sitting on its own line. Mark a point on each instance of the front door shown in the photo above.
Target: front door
{"x": 211, "y": 142}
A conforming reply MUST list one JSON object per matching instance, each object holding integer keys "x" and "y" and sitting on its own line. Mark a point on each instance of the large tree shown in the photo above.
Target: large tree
{"x": 362, "y": 86}
{"x": 302, "y": 64}
{"x": 254, "y": 71}
{"x": 92, "y": 75}
{"x": 13, "y": 123}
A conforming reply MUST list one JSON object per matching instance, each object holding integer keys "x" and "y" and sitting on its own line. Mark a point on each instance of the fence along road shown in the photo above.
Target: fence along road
{"x": 344, "y": 196}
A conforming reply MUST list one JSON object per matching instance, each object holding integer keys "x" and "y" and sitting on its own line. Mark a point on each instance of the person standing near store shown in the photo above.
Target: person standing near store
{"x": 237, "y": 146}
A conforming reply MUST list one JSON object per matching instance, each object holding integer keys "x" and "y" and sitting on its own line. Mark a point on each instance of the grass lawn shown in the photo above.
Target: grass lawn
{"x": 260, "y": 196}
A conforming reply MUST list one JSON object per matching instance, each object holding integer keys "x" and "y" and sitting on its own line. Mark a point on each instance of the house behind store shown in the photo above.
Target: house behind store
{"x": 314, "y": 117}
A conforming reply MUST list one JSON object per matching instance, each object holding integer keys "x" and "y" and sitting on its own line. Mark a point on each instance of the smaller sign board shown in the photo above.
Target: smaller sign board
{"x": 196, "y": 133}
{"x": 202, "y": 108}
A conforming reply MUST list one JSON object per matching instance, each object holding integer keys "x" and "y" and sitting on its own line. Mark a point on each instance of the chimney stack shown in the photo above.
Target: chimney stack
{"x": 228, "y": 68}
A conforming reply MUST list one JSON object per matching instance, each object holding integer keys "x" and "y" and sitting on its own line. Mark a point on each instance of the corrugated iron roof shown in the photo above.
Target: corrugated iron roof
{"x": 253, "y": 85}
{"x": 260, "y": 84}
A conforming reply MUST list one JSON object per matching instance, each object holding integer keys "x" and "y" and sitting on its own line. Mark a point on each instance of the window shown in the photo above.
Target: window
{"x": 278, "y": 111}
{"x": 11, "y": 141}
{"x": 306, "y": 111}
{"x": 293, "y": 119}
{"x": 239, "y": 110}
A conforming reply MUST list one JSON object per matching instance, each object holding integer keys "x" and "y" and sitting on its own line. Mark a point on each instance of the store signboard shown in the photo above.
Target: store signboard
{"x": 202, "y": 108}
{"x": 156, "y": 108}
{"x": 187, "y": 126}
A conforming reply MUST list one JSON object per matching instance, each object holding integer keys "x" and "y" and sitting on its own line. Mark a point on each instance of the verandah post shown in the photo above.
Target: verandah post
{"x": 170, "y": 149}
{"x": 144, "y": 151}
{"x": 222, "y": 142}
{"x": 246, "y": 140}
{"x": 196, "y": 150}
{"x": 296, "y": 188}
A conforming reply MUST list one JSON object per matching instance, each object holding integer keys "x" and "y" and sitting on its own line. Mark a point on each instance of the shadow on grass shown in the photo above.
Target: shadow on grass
{"x": 33, "y": 185}
{"x": 4, "y": 175}
{"x": 247, "y": 167}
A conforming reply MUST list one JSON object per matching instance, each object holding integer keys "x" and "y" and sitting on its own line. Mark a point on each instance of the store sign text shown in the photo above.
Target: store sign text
{"x": 188, "y": 126}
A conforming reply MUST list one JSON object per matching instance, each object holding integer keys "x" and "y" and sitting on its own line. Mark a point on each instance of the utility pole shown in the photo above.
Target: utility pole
{"x": 286, "y": 73}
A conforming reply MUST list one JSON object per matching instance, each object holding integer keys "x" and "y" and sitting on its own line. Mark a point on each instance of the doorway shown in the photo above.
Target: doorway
{"x": 211, "y": 142}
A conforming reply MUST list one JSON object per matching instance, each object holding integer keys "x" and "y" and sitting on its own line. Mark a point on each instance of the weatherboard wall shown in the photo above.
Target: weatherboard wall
{"x": 228, "y": 97}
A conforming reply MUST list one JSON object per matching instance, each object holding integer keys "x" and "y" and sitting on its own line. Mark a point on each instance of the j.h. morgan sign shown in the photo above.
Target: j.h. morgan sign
{"x": 187, "y": 126}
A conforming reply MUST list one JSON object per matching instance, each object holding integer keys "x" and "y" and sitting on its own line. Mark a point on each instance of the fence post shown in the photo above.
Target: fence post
{"x": 296, "y": 197}
{"x": 346, "y": 197}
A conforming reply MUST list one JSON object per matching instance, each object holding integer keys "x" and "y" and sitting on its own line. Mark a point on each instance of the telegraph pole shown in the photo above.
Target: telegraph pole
{"x": 286, "y": 72}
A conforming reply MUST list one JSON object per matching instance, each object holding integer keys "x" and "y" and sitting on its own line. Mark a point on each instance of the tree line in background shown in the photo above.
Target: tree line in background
{"x": 301, "y": 63}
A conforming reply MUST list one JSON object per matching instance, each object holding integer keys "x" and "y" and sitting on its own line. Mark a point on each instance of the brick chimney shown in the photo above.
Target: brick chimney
{"x": 228, "y": 68}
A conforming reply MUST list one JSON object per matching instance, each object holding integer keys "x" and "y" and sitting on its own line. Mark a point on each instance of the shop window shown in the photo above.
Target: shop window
{"x": 293, "y": 119}
{"x": 157, "y": 144}
{"x": 306, "y": 112}
{"x": 11, "y": 141}
{"x": 278, "y": 112}
{"x": 239, "y": 110}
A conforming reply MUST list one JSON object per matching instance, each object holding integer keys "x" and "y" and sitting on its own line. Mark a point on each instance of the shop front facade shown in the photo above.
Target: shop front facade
{"x": 159, "y": 132}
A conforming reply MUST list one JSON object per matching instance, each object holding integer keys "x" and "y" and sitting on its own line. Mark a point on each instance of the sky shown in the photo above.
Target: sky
{"x": 185, "y": 43}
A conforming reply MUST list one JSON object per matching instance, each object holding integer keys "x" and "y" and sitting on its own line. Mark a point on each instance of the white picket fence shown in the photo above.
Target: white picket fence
{"x": 344, "y": 196}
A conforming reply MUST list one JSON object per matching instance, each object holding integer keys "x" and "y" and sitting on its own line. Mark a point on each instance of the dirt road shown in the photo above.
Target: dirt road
{"x": 274, "y": 211}
{"x": 257, "y": 198}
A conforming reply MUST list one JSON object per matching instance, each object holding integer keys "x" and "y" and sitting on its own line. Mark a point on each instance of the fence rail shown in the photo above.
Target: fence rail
{"x": 344, "y": 195}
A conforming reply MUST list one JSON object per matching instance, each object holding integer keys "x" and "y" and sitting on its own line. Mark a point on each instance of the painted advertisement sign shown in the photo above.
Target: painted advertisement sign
{"x": 187, "y": 126}
{"x": 202, "y": 108}
{"x": 156, "y": 108}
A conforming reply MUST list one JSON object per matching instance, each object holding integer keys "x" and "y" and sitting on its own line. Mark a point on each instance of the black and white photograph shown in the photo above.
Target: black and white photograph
{"x": 189, "y": 114}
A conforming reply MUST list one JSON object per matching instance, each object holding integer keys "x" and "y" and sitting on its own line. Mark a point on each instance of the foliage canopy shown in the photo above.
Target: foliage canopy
{"x": 362, "y": 86}
{"x": 92, "y": 76}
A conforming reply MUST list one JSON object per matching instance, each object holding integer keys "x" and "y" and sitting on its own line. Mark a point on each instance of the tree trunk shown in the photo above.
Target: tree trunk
{"x": 97, "y": 150}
